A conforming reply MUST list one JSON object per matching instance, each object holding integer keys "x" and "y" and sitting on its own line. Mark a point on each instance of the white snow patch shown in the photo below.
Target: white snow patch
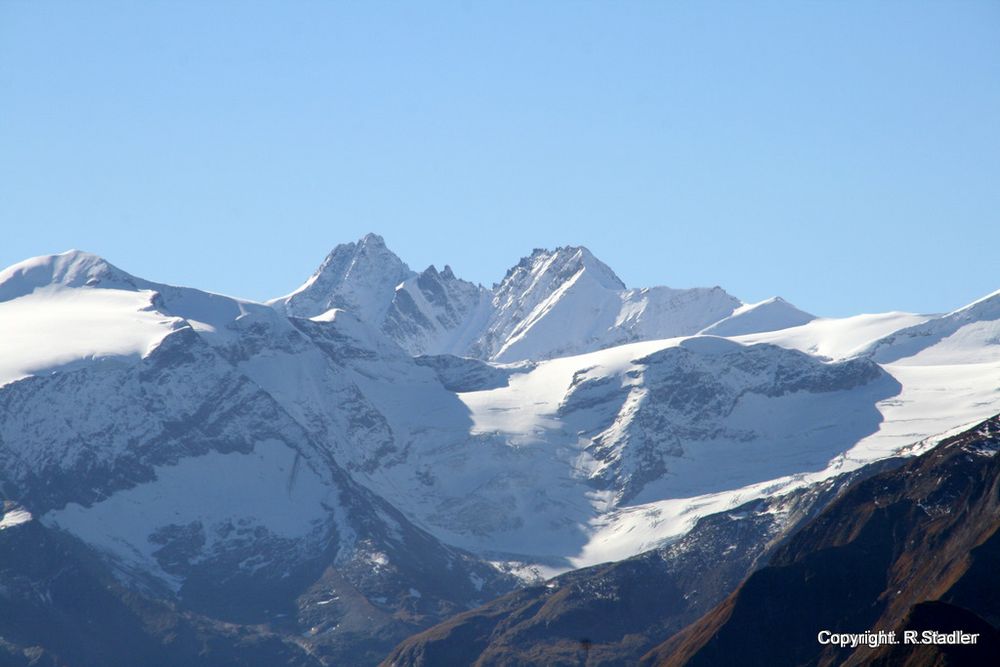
{"x": 771, "y": 314}
{"x": 14, "y": 518}
{"x": 837, "y": 338}
{"x": 52, "y": 328}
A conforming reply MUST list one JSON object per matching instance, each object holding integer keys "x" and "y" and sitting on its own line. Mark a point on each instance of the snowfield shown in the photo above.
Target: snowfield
{"x": 52, "y": 328}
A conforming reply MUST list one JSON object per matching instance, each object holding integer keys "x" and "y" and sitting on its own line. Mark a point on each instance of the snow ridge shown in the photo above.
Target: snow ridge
{"x": 360, "y": 277}
{"x": 72, "y": 268}
{"x": 772, "y": 314}
{"x": 551, "y": 303}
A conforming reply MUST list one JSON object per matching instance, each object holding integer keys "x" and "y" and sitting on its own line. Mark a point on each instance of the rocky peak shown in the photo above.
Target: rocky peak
{"x": 360, "y": 277}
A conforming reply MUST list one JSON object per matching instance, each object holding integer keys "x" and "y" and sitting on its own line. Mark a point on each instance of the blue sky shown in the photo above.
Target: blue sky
{"x": 845, "y": 155}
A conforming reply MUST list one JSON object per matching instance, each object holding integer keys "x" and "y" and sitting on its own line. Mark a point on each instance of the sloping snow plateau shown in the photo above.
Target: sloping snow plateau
{"x": 53, "y": 328}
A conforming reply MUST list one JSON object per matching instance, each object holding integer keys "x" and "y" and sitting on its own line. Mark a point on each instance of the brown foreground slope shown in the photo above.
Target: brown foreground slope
{"x": 915, "y": 548}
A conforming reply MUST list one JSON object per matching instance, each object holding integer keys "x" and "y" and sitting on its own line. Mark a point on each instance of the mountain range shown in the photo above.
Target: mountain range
{"x": 552, "y": 303}
{"x": 386, "y": 456}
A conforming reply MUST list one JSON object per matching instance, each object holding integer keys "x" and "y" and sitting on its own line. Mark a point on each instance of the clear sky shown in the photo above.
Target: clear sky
{"x": 845, "y": 155}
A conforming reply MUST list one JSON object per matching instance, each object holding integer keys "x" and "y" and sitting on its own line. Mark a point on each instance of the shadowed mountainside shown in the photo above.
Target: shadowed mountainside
{"x": 924, "y": 532}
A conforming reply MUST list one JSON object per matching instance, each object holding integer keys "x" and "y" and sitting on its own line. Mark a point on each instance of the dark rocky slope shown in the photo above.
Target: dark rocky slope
{"x": 61, "y": 605}
{"x": 875, "y": 559}
{"x": 612, "y": 614}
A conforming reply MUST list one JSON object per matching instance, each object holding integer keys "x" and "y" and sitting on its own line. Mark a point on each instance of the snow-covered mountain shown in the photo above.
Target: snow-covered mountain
{"x": 566, "y": 301}
{"x": 193, "y": 440}
{"x": 552, "y": 303}
{"x": 431, "y": 312}
{"x": 383, "y": 448}
{"x": 434, "y": 312}
{"x": 618, "y": 420}
{"x": 361, "y": 277}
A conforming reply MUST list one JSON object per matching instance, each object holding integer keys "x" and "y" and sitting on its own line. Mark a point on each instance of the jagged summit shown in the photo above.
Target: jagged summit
{"x": 566, "y": 301}
{"x": 360, "y": 277}
{"x": 546, "y": 303}
{"x": 434, "y": 312}
{"x": 551, "y": 303}
{"x": 563, "y": 261}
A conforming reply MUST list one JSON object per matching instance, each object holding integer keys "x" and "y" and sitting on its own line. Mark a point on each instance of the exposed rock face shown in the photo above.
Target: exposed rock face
{"x": 668, "y": 413}
{"x": 435, "y": 312}
{"x": 612, "y": 614}
{"x": 905, "y": 545}
{"x": 551, "y": 303}
{"x": 360, "y": 277}
{"x": 62, "y": 605}
{"x": 461, "y": 374}
{"x": 926, "y": 532}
